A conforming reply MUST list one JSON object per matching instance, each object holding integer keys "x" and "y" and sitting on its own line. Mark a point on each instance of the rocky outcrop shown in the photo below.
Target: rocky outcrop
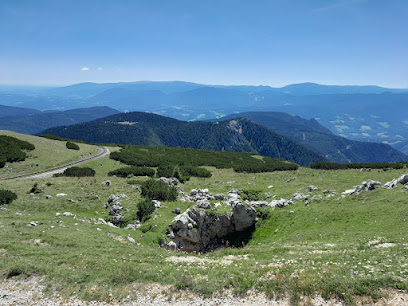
{"x": 196, "y": 231}
{"x": 403, "y": 179}
{"x": 115, "y": 209}
{"x": 366, "y": 185}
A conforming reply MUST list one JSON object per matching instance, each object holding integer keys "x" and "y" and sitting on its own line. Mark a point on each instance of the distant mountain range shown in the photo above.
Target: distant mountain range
{"x": 363, "y": 113}
{"x": 8, "y": 111}
{"x": 31, "y": 121}
{"x": 238, "y": 135}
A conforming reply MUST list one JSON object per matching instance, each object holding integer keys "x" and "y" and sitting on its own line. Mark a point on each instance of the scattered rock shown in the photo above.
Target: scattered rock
{"x": 258, "y": 203}
{"x": 204, "y": 205}
{"x": 176, "y": 211}
{"x": 280, "y": 203}
{"x": 312, "y": 188}
{"x": 33, "y": 223}
{"x": 299, "y": 196}
{"x": 107, "y": 183}
{"x": 270, "y": 186}
{"x": 47, "y": 196}
{"x": 67, "y": 214}
{"x": 156, "y": 203}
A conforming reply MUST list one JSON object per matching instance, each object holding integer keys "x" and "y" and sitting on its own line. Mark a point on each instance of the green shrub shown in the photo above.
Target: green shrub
{"x": 11, "y": 149}
{"x": 181, "y": 178}
{"x": 53, "y": 137}
{"x": 23, "y": 145}
{"x": 71, "y": 146}
{"x": 335, "y": 166}
{"x": 7, "y": 196}
{"x": 250, "y": 195}
{"x": 133, "y": 170}
{"x": 195, "y": 171}
{"x": 35, "y": 189}
{"x": 145, "y": 209}
{"x": 165, "y": 171}
{"x": 158, "y": 190}
{"x": 78, "y": 172}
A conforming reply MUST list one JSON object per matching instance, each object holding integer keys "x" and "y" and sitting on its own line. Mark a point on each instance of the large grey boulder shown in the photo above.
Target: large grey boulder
{"x": 115, "y": 208}
{"x": 243, "y": 216}
{"x": 195, "y": 231}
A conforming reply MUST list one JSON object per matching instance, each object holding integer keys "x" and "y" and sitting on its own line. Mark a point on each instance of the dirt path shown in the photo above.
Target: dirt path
{"x": 60, "y": 169}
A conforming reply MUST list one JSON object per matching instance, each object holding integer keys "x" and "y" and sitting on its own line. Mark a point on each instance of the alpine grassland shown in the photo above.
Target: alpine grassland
{"x": 349, "y": 248}
{"x": 47, "y": 154}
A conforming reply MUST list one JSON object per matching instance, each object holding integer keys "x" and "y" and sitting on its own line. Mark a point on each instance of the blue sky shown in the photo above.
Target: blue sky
{"x": 275, "y": 42}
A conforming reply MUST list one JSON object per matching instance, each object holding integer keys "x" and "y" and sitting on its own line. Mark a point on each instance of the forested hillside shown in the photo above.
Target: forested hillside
{"x": 239, "y": 135}
{"x": 319, "y": 139}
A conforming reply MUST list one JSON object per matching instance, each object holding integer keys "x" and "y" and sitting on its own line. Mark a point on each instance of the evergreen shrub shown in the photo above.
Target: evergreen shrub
{"x": 7, "y": 196}
{"x": 71, "y": 146}
{"x": 158, "y": 190}
{"x": 145, "y": 209}
{"x": 78, "y": 172}
{"x": 133, "y": 170}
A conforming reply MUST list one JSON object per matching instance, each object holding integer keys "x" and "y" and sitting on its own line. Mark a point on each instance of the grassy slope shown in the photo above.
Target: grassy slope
{"x": 47, "y": 154}
{"x": 298, "y": 250}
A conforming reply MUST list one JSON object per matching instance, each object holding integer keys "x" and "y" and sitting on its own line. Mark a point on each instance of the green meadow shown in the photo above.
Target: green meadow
{"x": 346, "y": 248}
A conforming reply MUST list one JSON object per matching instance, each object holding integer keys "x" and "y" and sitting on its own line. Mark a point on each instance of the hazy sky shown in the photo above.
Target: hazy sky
{"x": 271, "y": 42}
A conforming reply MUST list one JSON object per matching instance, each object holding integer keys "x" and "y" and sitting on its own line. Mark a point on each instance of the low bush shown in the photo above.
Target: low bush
{"x": 53, "y": 137}
{"x": 71, "y": 146}
{"x": 250, "y": 195}
{"x": 78, "y": 172}
{"x": 145, "y": 209}
{"x": 11, "y": 149}
{"x": 195, "y": 171}
{"x": 35, "y": 189}
{"x": 158, "y": 190}
{"x": 135, "y": 171}
{"x": 7, "y": 196}
{"x": 335, "y": 166}
{"x": 165, "y": 171}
